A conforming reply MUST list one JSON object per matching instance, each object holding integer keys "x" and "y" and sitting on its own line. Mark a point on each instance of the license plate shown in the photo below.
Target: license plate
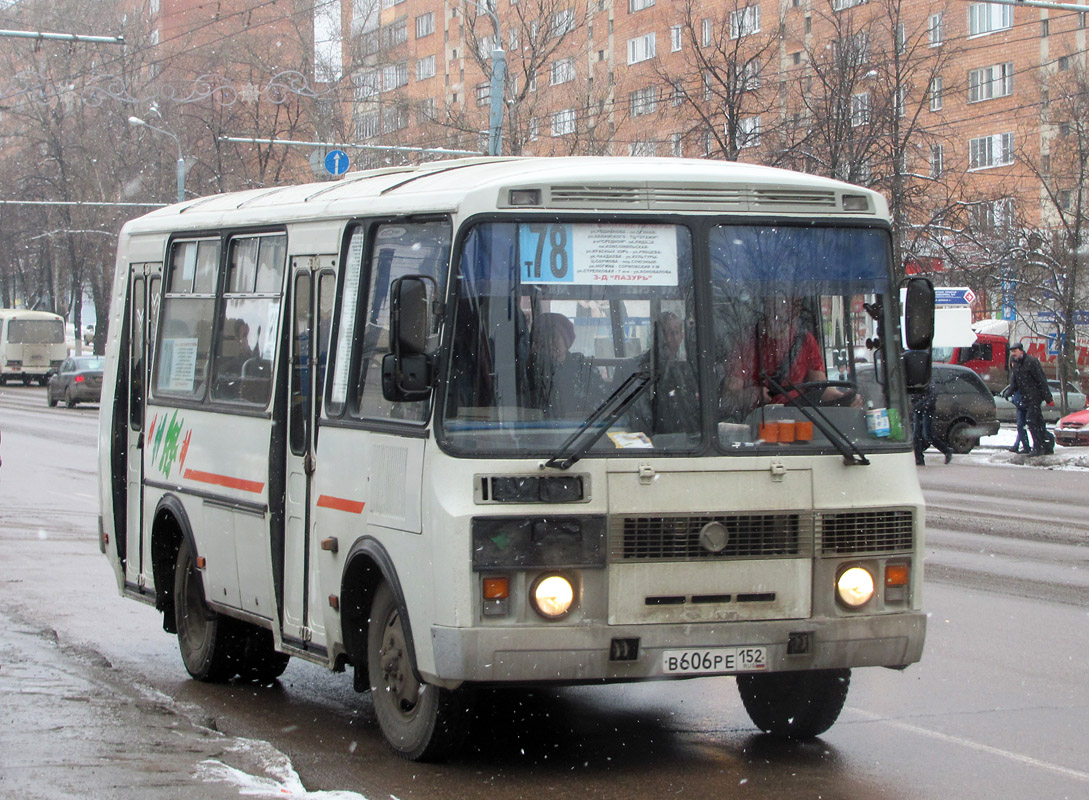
{"x": 711, "y": 660}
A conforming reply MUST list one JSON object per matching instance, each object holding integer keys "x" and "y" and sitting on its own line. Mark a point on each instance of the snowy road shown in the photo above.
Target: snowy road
{"x": 97, "y": 704}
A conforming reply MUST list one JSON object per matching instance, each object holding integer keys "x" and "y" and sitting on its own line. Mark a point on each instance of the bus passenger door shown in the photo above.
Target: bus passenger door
{"x": 312, "y": 285}
{"x": 143, "y": 315}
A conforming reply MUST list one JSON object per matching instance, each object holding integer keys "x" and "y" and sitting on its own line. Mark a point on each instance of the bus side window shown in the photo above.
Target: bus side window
{"x": 183, "y": 351}
{"x": 399, "y": 249}
{"x": 248, "y": 320}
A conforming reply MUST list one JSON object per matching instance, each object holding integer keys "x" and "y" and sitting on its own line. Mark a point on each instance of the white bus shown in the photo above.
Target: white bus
{"x": 31, "y": 345}
{"x": 516, "y": 421}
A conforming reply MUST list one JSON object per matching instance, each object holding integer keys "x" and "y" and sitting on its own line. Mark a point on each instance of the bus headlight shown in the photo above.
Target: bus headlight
{"x": 855, "y": 587}
{"x": 552, "y": 596}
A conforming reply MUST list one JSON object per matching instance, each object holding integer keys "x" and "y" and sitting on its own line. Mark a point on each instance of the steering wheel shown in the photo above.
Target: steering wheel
{"x": 813, "y": 391}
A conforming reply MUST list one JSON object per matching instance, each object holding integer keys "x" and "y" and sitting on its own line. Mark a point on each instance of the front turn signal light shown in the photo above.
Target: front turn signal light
{"x": 897, "y": 575}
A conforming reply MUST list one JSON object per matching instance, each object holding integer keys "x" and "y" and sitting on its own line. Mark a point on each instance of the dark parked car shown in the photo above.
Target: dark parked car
{"x": 1075, "y": 401}
{"x": 79, "y": 380}
{"x": 965, "y": 410}
{"x": 965, "y": 407}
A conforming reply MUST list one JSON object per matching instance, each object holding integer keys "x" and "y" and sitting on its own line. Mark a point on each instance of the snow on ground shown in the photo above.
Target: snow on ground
{"x": 996, "y": 450}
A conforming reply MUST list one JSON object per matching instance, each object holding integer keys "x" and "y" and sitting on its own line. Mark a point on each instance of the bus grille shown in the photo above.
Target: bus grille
{"x": 857, "y": 532}
{"x": 689, "y": 197}
{"x": 677, "y": 538}
{"x": 784, "y": 535}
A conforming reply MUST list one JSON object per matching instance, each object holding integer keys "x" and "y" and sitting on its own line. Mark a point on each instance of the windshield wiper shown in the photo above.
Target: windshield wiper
{"x": 608, "y": 413}
{"x": 852, "y": 456}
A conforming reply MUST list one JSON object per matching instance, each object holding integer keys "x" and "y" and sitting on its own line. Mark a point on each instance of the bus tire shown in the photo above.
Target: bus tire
{"x": 421, "y": 722}
{"x": 260, "y": 661}
{"x": 207, "y": 640}
{"x": 795, "y": 705}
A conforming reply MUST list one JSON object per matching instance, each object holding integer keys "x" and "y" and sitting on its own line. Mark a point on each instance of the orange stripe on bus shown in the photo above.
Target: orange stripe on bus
{"x": 224, "y": 480}
{"x": 340, "y": 504}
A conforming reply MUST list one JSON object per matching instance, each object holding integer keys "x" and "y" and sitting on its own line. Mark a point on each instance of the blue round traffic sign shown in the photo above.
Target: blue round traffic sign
{"x": 336, "y": 162}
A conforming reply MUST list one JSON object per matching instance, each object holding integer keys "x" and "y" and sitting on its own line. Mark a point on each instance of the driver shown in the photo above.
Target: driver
{"x": 782, "y": 350}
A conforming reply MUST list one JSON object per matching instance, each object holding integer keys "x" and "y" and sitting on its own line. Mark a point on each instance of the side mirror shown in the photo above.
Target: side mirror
{"x": 407, "y": 372}
{"x": 916, "y": 370}
{"x": 919, "y": 314}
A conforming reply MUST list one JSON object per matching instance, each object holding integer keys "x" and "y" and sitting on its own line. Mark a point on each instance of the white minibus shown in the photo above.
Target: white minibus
{"x": 31, "y": 345}
{"x": 521, "y": 421}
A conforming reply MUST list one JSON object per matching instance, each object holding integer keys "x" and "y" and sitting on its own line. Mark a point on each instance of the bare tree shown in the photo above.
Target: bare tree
{"x": 722, "y": 95}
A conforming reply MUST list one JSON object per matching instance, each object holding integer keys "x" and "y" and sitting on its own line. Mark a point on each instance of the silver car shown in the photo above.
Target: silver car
{"x": 79, "y": 380}
{"x": 1075, "y": 401}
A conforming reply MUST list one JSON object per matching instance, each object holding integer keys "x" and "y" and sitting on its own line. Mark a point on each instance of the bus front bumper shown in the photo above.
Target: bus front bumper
{"x": 558, "y": 654}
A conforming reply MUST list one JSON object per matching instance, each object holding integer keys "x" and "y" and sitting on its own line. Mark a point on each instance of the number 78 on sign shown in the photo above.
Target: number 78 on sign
{"x": 587, "y": 253}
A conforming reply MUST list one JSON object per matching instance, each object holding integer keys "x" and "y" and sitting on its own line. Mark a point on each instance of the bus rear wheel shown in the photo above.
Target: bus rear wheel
{"x": 421, "y": 722}
{"x": 795, "y": 705}
{"x": 208, "y": 641}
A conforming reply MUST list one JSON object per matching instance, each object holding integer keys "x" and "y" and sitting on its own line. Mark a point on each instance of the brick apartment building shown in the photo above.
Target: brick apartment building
{"x": 944, "y": 106}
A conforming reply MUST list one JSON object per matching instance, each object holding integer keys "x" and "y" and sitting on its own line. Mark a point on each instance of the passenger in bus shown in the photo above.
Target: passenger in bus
{"x": 780, "y": 355}
{"x": 560, "y": 383}
{"x": 673, "y": 404}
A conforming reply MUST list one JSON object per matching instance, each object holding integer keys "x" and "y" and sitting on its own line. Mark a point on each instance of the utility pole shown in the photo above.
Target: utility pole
{"x": 498, "y": 80}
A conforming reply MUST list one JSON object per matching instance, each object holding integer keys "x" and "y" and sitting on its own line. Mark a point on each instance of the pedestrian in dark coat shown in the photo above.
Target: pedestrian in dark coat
{"x": 1027, "y": 377}
{"x": 925, "y": 405}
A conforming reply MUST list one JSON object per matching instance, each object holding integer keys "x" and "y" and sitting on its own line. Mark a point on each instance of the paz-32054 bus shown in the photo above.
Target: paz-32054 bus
{"x": 522, "y": 422}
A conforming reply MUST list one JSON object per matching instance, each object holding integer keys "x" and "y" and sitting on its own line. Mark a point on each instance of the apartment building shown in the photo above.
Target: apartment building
{"x": 946, "y": 106}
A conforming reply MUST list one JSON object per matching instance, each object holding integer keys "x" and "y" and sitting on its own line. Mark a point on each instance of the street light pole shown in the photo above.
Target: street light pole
{"x": 498, "y": 79}
{"x": 139, "y": 123}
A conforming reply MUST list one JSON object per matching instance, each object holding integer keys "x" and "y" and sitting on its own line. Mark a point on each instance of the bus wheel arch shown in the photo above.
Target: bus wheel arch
{"x": 418, "y": 720}
{"x": 169, "y": 527}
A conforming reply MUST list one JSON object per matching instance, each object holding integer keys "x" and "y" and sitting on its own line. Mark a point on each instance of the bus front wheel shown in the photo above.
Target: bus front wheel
{"x": 206, "y": 639}
{"x": 795, "y": 705}
{"x": 420, "y": 722}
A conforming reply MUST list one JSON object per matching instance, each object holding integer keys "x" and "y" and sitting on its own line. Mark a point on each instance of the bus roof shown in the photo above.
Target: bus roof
{"x": 566, "y": 184}
{"x": 26, "y": 313}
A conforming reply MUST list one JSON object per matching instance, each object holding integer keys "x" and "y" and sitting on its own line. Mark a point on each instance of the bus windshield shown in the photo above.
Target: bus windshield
{"x": 552, "y": 318}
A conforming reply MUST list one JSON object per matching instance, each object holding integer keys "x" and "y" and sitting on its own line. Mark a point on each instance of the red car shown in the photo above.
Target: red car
{"x": 1073, "y": 429}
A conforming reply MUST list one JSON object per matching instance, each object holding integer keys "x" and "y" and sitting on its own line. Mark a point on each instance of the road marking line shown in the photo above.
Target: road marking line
{"x": 994, "y": 751}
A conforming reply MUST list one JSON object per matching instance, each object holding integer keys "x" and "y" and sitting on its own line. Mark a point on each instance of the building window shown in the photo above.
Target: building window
{"x": 394, "y": 118}
{"x": 1063, "y": 63}
{"x": 934, "y": 29}
{"x": 394, "y": 76}
{"x": 936, "y": 90}
{"x": 425, "y": 112}
{"x": 706, "y": 32}
{"x": 639, "y": 5}
{"x": 853, "y": 49}
{"x": 675, "y": 38}
{"x": 367, "y": 126}
{"x": 563, "y": 70}
{"x": 748, "y": 132}
{"x": 984, "y": 18}
{"x": 990, "y": 82}
{"x": 396, "y": 33}
{"x": 1045, "y": 28}
{"x": 391, "y": 3}
{"x": 937, "y": 160}
{"x": 644, "y": 149}
{"x": 643, "y": 101}
{"x": 990, "y": 151}
{"x": 563, "y": 122}
{"x": 425, "y": 68}
{"x": 676, "y": 145}
{"x": 563, "y": 22}
{"x": 744, "y": 22}
{"x": 839, "y": 5}
{"x": 366, "y": 85}
{"x": 641, "y": 48}
{"x": 993, "y": 215}
{"x": 860, "y": 109}
{"x": 425, "y": 24}
{"x": 750, "y": 76}
{"x": 483, "y": 93}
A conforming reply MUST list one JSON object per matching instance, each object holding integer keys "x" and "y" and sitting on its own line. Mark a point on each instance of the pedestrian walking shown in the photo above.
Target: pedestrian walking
{"x": 1021, "y": 443}
{"x": 1027, "y": 377}
{"x": 925, "y": 406}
